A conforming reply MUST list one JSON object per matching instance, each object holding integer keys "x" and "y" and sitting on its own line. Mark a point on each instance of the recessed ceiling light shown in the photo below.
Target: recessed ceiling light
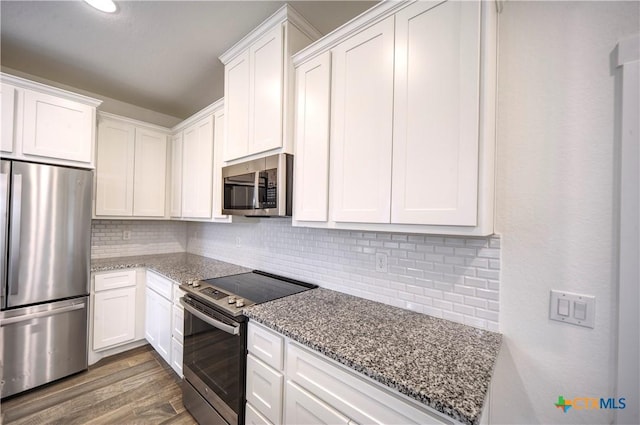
{"x": 103, "y": 5}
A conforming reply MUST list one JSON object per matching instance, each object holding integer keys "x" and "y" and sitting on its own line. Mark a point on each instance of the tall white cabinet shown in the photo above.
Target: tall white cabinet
{"x": 259, "y": 85}
{"x": 131, "y": 168}
{"x": 412, "y": 123}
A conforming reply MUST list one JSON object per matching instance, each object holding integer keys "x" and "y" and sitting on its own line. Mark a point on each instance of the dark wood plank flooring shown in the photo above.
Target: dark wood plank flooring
{"x": 136, "y": 387}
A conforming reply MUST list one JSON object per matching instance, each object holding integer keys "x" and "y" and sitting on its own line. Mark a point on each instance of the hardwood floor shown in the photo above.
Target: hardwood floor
{"x": 135, "y": 387}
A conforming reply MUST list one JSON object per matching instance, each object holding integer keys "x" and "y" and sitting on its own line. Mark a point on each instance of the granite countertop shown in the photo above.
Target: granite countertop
{"x": 181, "y": 267}
{"x": 443, "y": 364}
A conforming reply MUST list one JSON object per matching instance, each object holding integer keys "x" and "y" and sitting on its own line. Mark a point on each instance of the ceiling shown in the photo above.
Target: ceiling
{"x": 158, "y": 55}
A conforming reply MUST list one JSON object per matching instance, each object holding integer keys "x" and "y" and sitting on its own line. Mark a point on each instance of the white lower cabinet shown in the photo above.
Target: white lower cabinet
{"x": 114, "y": 310}
{"x": 177, "y": 331}
{"x": 158, "y": 314}
{"x": 303, "y": 408}
{"x": 264, "y": 389}
{"x": 313, "y": 389}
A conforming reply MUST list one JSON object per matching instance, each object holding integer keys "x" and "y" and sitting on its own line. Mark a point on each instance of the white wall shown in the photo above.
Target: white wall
{"x": 556, "y": 209}
{"x": 450, "y": 277}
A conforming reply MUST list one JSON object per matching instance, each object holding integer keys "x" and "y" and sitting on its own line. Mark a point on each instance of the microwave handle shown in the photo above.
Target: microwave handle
{"x": 256, "y": 190}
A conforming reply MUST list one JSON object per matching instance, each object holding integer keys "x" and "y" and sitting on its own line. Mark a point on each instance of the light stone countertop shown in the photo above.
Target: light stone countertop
{"x": 181, "y": 267}
{"x": 443, "y": 364}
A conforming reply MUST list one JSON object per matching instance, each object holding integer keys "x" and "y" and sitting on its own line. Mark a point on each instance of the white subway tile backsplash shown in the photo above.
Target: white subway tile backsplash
{"x": 147, "y": 237}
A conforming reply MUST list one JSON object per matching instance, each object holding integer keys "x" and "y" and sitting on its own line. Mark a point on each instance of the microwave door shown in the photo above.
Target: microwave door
{"x": 239, "y": 192}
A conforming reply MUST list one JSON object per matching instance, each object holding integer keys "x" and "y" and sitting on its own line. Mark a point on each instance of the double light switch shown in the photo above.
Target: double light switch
{"x": 573, "y": 308}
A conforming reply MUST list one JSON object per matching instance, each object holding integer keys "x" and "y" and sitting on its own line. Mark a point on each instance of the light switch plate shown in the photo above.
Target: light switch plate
{"x": 584, "y": 315}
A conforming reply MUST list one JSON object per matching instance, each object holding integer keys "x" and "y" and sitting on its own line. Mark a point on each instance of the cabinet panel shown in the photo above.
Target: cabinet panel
{"x": 218, "y": 141}
{"x": 313, "y": 87}
{"x": 361, "y": 135}
{"x": 197, "y": 169}
{"x": 158, "y": 324}
{"x": 236, "y": 107}
{"x": 176, "y": 176}
{"x": 176, "y": 356}
{"x": 266, "y": 345}
{"x": 253, "y": 417}
{"x": 435, "y": 146}
{"x": 7, "y": 109}
{"x": 264, "y": 389}
{"x": 178, "y": 323}
{"x": 114, "y": 168}
{"x": 265, "y": 88}
{"x": 114, "y": 317}
{"x": 57, "y": 128}
{"x": 150, "y": 173}
{"x": 303, "y": 408}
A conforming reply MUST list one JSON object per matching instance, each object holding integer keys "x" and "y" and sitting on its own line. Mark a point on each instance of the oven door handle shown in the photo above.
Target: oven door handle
{"x": 233, "y": 330}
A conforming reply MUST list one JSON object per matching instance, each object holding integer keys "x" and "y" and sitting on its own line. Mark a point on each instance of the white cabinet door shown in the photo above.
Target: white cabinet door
{"x": 7, "y": 111}
{"x": 265, "y": 88}
{"x": 218, "y": 143}
{"x": 313, "y": 87}
{"x": 236, "y": 107}
{"x": 176, "y": 356}
{"x": 303, "y": 408}
{"x": 114, "y": 168}
{"x": 361, "y": 133}
{"x": 176, "y": 176}
{"x": 253, "y": 417}
{"x": 264, "y": 389}
{"x": 178, "y": 323}
{"x": 197, "y": 169}
{"x": 114, "y": 317}
{"x": 435, "y": 143}
{"x": 59, "y": 128}
{"x": 158, "y": 324}
{"x": 150, "y": 173}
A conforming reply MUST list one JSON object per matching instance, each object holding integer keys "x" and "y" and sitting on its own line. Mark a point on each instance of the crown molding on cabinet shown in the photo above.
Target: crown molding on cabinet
{"x": 364, "y": 20}
{"x": 102, "y": 115}
{"x": 285, "y": 13}
{"x": 43, "y": 88}
{"x": 206, "y": 111}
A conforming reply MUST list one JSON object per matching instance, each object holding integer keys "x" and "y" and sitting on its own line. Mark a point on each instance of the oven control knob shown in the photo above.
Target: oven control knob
{"x": 239, "y": 302}
{"x": 231, "y": 300}
{"x": 195, "y": 284}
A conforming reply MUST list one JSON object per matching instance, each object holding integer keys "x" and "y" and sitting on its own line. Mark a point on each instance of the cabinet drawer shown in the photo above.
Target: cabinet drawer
{"x": 113, "y": 280}
{"x": 356, "y": 397}
{"x": 253, "y": 417}
{"x": 302, "y": 408}
{"x": 266, "y": 345}
{"x": 264, "y": 389}
{"x": 160, "y": 284}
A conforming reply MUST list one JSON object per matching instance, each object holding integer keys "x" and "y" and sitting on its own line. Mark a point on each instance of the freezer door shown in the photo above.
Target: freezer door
{"x": 5, "y": 170}
{"x": 42, "y": 343}
{"x": 49, "y": 233}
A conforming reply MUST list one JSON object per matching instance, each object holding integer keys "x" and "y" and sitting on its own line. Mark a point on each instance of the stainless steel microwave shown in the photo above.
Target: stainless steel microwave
{"x": 261, "y": 187}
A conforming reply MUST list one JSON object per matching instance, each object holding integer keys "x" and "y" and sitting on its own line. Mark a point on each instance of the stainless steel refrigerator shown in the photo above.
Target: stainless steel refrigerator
{"x": 46, "y": 242}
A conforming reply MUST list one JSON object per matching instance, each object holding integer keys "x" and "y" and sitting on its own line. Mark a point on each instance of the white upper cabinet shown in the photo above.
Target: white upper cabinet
{"x": 361, "y": 129}
{"x": 265, "y": 87}
{"x": 114, "y": 168}
{"x": 412, "y": 127}
{"x": 175, "y": 205}
{"x": 313, "y": 91}
{"x": 218, "y": 163}
{"x": 236, "y": 107}
{"x": 435, "y": 140}
{"x": 258, "y": 85}
{"x": 150, "y": 173}
{"x": 8, "y": 108}
{"x": 46, "y": 124}
{"x": 197, "y": 169}
{"x": 131, "y": 168}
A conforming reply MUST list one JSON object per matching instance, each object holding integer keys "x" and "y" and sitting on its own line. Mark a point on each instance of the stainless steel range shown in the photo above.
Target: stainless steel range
{"x": 215, "y": 341}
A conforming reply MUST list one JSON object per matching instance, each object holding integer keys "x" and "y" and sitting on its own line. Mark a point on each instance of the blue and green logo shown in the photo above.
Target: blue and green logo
{"x": 590, "y": 403}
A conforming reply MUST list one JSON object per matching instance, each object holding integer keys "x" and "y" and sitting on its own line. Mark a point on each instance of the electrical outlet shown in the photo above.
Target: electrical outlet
{"x": 126, "y": 235}
{"x": 381, "y": 262}
{"x": 238, "y": 241}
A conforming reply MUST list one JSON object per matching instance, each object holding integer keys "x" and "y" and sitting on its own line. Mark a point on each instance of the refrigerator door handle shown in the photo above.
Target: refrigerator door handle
{"x": 18, "y": 319}
{"x": 16, "y": 214}
{"x": 4, "y": 219}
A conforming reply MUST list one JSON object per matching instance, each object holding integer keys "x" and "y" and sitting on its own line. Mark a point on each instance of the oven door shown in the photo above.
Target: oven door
{"x": 214, "y": 363}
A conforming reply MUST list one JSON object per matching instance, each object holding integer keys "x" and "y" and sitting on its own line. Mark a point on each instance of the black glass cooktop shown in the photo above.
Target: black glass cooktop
{"x": 259, "y": 286}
